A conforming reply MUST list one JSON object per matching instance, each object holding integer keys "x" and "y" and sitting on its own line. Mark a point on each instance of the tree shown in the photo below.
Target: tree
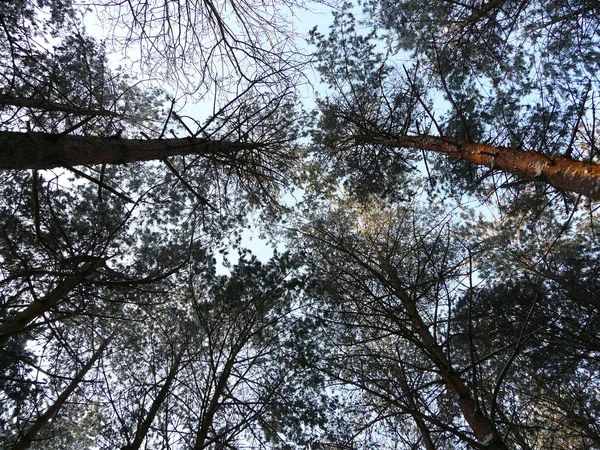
{"x": 215, "y": 378}
{"x": 240, "y": 361}
{"x": 508, "y": 117}
{"x": 27, "y": 438}
{"x": 400, "y": 319}
{"x": 69, "y": 92}
{"x": 71, "y": 89}
{"x": 533, "y": 296}
{"x": 383, "y": 274}
{"x": 46, "y": 151}
{"x": 144, "y": 427}
{"x": 84, "y": 268}
{"x": 86, "y": 251}
{"x": 407, "y": 326}
{"x": 206, "y": 46}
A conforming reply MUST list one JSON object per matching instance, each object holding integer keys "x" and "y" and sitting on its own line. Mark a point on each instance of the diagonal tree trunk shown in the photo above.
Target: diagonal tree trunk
{"x": 143, "y": 428}
{"x": 483, "y": 428}
{"x": 213, "y": 406}
{"x": 558, "y": 171}
{"x": 400, "y": 376}
{"x": 26, "y": 439}
{"x": 46, "y": 151}
{"x": 19, "y": 321}
{"x": 479, "y": 423}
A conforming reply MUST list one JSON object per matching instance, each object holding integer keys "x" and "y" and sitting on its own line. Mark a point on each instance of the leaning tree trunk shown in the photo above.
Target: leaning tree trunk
{"x": 213, "y": 406}
{"x": 558, "y": 171}
{"x": 19, "y": 321}
{"x": 25, "y": 440}
{"x": 144, "y": 427}
{"x": 481, "y": 425}
{"x": 399, "y": 375}
{"x": 46, "y": 151}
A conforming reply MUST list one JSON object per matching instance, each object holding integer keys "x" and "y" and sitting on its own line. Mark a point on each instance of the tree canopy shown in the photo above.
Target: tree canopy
{"x": 426, "y": 175}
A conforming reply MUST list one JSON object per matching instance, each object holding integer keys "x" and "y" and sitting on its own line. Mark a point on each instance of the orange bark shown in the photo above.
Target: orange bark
{"x": 481, "y": 425}
{"x": 558, "y": 171}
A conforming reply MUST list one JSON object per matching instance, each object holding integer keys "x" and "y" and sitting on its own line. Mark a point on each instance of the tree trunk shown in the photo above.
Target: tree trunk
{"x": 398, "y": 373}
{"x": 26, "y": 439}
{"x": 19, "y": 321}
{"x": 558, "y": 171}
{"x": 213, "y": 406}
{"x": 143, "y": 428}
{"x": 46, "y": 151}
{"x": 479, "y": 423}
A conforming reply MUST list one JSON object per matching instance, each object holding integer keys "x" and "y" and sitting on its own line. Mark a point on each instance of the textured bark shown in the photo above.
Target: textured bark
{"x": 26, "y": 439}
{"x": 19, "y": 321}
{"x": 558, "y": 171}
{"x": 46, "y": 151}
{"x": 479, "y": 423}
{"x": 143, "y": 428}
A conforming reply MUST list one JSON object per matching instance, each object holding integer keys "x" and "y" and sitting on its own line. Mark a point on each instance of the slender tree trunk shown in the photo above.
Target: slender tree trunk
{"x": 479, "y": 423}
{"x": 558, "y": 171}
{"x": 513, "y": 429}
{"x": 46, "y": 151}
{"x": 209, "y": 414}
{"x": 19, "y": 321}
{"x": 26, "y": 439}
{"x": 398, "y": 373}
{"x": 143, "y": 428}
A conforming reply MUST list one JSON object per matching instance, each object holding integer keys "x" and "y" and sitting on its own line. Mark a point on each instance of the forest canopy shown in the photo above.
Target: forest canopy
{"x": 426, "y": 175}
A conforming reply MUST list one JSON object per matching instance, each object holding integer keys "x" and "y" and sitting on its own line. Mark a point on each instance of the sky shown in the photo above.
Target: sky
{"x": 302, "y": 19}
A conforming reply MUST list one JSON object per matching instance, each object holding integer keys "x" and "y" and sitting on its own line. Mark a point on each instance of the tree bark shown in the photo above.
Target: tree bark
{"x": 143, "y": 428}
{"x": 19, "y": 321}
{"x": 482, "y": 427}
{"x": 213, "y": 406}
{"x": 26, "y": 439}
{"x": 558, "y": 171}
{"x": 46, "y": 151}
